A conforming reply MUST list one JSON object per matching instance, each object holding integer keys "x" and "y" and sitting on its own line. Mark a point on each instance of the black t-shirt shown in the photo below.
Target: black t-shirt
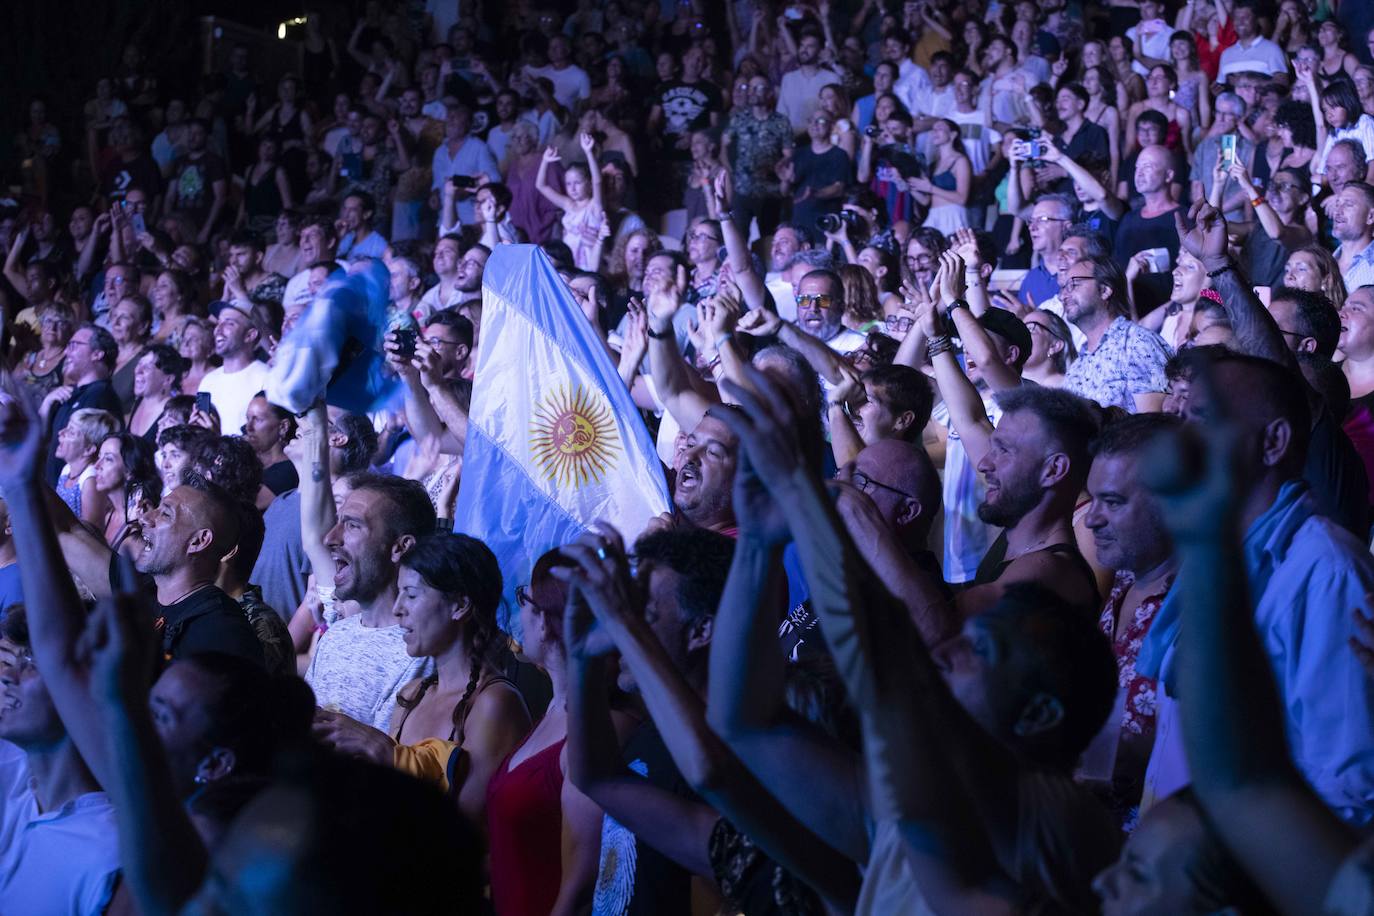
{"x": 1337, "y": 476}
{"x": 120, "y": 177}
{"x": 686, "y": 107}
{"x": 640, "y": 880}
{"x": 98, "y": 394}
{"x": 207, "y": 620}
{"x": 1138, "y": 233}
{"x": 281, "y": 477}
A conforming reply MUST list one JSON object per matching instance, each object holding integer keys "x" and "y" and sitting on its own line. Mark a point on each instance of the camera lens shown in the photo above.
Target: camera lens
{"x": 829, "y": 223}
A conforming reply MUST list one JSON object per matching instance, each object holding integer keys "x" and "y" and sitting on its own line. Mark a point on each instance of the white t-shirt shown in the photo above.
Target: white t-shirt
{"x": 60, "y": 861}
{"x": 799, "y": 95}
{"x": 358, "y": 670}
{"x": 570, "y": 85}
{"x": 231, "y": 392}
{"x": 1262, "y": 57}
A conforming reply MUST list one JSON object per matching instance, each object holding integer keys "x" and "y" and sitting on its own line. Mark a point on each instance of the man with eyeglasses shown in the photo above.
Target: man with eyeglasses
{"x": 1308, "y": 321}
{"x": 1122, "y": 363}
{"x": 87, "y": 365}
{"x": 820, "y": 312}
{"x": 1230, "y": 112}
{"x": 1050, "y": 216}
{"x": 1281, "y": 230}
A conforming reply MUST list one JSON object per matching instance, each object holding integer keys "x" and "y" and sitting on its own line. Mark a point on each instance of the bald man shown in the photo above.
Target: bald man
{"x": 1150, "y": 228}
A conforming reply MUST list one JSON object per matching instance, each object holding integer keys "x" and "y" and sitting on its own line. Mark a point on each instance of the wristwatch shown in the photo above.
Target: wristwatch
{"x": 956, "y": 304}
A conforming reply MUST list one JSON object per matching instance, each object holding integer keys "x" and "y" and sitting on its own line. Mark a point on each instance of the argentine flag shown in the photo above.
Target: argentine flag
{"x": 554, "y": 441}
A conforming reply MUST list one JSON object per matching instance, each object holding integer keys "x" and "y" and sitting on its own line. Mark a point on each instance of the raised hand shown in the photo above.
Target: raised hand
{"x": 1207, "y": 238}
{"x": 662, "y": 298}
{"x": 551, "y": 154}
{"x": 966, "y": 247}
{"x": 21, "y": 438}
{"x": 759, "y": 323}
{"x": 601, "y": 589}
{"x": 587, "y": 142}
{"x": 849, "y": 388}
{"x": 950, "y": 277}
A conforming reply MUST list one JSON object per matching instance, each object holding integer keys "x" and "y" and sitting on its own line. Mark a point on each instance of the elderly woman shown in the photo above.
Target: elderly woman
{"x": 41, "y": 369}
{"x": 78, "y": 444}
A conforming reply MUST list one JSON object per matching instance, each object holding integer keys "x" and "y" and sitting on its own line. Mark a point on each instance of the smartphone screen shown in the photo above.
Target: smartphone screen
{"x": 203, "y": 401}
{"x": 1228, "y": 149}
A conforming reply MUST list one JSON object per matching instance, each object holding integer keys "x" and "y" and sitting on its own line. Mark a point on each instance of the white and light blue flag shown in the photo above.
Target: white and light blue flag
{"x": 554, "y": 440}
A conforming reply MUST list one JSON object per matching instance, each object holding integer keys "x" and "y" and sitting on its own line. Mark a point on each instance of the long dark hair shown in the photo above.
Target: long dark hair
{"x": 457, "y": 565}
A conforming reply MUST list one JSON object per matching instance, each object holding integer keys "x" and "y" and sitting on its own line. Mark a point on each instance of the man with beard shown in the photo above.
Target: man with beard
{"x": 1033, "y": 464}
{"x": 361, "y": 661}
{"x": 319, "y": 243}
{"x": 468, "y": 282}
{"x": 787, "y": 241}
{"x": 705, "y": 473}
{"x": 231, "y": 387}
{"x": 200, "y": 183}
{"x": 820, "y": 313}
{"x": 1121, "y": 364}
{"x": 799, "y": 93}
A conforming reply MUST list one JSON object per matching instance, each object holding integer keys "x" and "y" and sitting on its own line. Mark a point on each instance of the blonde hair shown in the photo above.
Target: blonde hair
{"x": 93, "y": 425}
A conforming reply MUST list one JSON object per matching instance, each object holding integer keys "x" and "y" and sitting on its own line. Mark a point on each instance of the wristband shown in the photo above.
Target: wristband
{"x": 661, "y": 335}
{"x": 1255, "y": 202}
{"x": 937, "y": 345}
{"x": 443, "y": 526}
{"x": 1213, "y": 274}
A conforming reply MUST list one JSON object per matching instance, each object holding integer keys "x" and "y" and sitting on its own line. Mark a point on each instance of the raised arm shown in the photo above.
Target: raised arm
{"x": 890, "y": 677}
{"x": 815, "y": 778}
{"x": 1257, "y": 333}
{"x": 588, "y": 145}
{"x": 736, "y": 245}
{"x": 103, "y": 704}
{"x": 672, "y": 380}
{"x": 1233, "y": 718}
{"x": 541, "y": 181}
{"x": 309, "y": 452}
{"x": 1112, "y": 205}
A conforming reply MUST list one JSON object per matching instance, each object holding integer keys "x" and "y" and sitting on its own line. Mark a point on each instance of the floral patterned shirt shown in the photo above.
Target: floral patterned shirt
{"x": 1138, "y": 711}
{"x": 1129, "y": 360}
{"x": 757, "y": 146}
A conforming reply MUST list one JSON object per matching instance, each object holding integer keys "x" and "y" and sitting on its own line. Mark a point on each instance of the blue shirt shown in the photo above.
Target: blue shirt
{"x": 11, "y": 592}
{"x": 374, "y": 246}
{"x": 1310, "y": 575}
{"x": 1039, "y": 284}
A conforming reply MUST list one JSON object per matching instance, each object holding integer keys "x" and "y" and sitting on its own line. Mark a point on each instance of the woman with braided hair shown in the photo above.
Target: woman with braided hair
{"x": 449, "y": 589}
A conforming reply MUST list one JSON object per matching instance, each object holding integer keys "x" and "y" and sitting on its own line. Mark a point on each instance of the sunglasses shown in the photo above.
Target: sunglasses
{"x": 817, "y": 301}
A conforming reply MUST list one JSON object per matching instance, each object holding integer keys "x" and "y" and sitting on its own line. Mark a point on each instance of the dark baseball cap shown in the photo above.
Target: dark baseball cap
{"x": 1007, "y": 326}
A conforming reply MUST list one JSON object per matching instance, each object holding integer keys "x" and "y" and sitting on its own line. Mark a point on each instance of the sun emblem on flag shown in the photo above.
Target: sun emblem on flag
{"x": 573, "y": 437}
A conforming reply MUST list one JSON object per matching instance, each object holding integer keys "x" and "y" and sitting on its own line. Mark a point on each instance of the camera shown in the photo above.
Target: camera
{"x": 831, "y": 222}
{"x": 872, "y": 130}
{"x": 462, "y": 182}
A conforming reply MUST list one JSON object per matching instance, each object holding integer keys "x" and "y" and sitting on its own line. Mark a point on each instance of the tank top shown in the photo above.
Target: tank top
{"x": 995, "y": 563}
{"x": 464, "y": 707}
{"x": 525, "y": 833}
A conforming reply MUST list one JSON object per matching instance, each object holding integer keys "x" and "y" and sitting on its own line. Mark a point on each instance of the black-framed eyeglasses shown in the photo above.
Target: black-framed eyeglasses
{"x": 920, "y": 260}
{"x": 866, "y": 483}
{"x": 899, "y": 323}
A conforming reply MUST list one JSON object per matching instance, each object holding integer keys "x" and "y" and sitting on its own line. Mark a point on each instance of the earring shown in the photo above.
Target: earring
{"x": 200, "y": 779}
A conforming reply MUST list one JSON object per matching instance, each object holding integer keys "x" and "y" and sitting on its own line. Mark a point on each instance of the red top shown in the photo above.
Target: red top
{"x": 1208, "y": 59}
{"x": 525, "y": 833}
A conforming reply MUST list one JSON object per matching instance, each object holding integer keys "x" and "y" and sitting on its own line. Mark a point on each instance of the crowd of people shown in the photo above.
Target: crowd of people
{"x": 1010, "y": 366}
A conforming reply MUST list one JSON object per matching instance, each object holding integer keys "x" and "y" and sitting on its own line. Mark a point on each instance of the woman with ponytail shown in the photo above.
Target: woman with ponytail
{"x": 449, "y": 589}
